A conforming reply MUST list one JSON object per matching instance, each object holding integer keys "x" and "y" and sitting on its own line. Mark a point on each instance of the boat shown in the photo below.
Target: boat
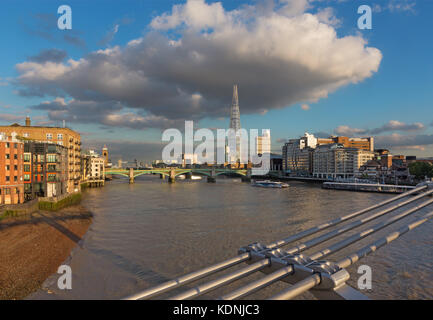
{"x": 270, "y": 184}
{"x": 183, "y": 177}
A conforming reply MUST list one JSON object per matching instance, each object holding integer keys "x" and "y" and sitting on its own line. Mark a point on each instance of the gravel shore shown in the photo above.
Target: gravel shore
{"x": 33, "y": 247}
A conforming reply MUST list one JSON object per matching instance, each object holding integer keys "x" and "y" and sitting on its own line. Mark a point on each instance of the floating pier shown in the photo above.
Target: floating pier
{"x": 367, "y": 187}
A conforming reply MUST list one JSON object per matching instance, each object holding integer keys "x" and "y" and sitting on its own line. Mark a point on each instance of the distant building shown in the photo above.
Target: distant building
{"x": 53, "y": 135}
{"x": 93, "y": 166}
{"x": 276, "y": 162}
{"x": 105, "y": 156}
{"x": 357, "y": 143}
{"x": 336, "y": 161}
{"x": 297, "y": 154}
{"x": 399, "y": 161}
{"x": 11, "y": 170}
{"x": 263, "y": 143}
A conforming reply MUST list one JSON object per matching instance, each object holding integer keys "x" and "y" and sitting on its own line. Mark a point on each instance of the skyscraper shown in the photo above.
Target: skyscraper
{"x": 235, "y": 115}
{"x": 235, "y": 124}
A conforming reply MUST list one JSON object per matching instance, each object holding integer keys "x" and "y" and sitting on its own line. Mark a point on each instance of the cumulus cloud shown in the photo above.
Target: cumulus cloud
{"x": 395, "y": 125}
{"x": 109, "y": 113}
{"x": 348, "y": 131}
{"x": 327, "y": 15}
{"x": 11, "y": 117}
{"x": 392, "y": 125}
{"x": 127, "y": 149}
{"x": 53, "y": 55}
{"x": 404, "y": 141}
{"x": 185, "y": 66}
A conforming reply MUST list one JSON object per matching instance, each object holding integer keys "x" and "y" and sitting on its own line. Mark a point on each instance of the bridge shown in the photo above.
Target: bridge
{"x": 172, "y": 173}
{"x": 324, "y": 278}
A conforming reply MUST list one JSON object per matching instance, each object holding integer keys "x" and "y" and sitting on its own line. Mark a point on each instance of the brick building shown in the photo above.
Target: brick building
{"x": 45, "y": 169}
{"x": 53, "y": 135}
{"x": 11, "y": 170}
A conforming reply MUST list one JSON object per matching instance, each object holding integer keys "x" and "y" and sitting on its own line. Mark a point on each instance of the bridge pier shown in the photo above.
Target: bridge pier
{"x": 172, "y": 177}
{"x": 212, "y": 177}
{"x": 188, "y": 176}
{"x": 247, "y": 178}
{"x": 131, "y": 175}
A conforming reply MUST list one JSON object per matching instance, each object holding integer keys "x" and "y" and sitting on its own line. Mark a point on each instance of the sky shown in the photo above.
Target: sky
{"x": 127, "y": 70}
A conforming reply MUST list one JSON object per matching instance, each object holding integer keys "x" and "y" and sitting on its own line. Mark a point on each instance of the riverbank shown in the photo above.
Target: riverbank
{"x": 32, "y": 247}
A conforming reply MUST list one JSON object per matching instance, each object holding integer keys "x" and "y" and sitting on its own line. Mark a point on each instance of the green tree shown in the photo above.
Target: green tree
{"x": 421, "y": 169}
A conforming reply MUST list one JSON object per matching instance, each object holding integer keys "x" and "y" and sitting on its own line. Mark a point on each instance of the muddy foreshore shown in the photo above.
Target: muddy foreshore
{"x": 33, "y": 247}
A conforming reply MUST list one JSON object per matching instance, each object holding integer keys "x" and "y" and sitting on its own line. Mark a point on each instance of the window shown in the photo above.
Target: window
{"x": 49, "y": 136}
{"x": 26, "y": 135}
{"x": 7, "y": 191}
{"x": 52, "y": 178}
{"x": 26, "y": 168}
{"x": 15, "y": 156}
{"x": 8, "y": 178}
{"x": 8, "y": 156}
{"x": 7, "y": 145}
{"x": 15, "y": 178}
{"x": 16, "y": 145}
{"x": 8, "y": 167}
{"x": 15, "y": 167}
{"x": 27, "y": 157}
{"x": 51, "y": 158}
{"x": 60, "y": 136}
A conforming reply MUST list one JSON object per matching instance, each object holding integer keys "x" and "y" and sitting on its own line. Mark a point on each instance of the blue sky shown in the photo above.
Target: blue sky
{"x": 393, "y": 102}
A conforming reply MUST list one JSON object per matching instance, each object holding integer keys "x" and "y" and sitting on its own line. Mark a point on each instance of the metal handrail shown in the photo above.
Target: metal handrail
{"x": 263, "y": 260}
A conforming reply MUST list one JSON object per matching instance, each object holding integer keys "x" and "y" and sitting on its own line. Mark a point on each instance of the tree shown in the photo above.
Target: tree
{"x": 421, "y": 169}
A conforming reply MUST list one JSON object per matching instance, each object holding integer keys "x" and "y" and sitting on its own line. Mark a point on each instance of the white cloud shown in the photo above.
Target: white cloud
{"x": 392, "y": 125}
{"x": 327, "y": 15}
{"x": 278, "y": 58}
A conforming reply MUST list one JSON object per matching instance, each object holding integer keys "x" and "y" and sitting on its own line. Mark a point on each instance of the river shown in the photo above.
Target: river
{"x": 152, "y": 231}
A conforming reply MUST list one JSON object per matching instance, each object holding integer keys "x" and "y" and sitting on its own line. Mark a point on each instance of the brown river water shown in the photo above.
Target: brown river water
{"x": 152, "y": 231}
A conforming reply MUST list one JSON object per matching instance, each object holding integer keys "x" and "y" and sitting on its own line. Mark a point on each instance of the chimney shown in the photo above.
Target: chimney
{"x": 28, "y": 122}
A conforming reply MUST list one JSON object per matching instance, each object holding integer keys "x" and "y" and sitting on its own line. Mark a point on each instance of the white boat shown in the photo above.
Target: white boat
{"x": 183, "y": 177}
{"x": 270, "y": 184}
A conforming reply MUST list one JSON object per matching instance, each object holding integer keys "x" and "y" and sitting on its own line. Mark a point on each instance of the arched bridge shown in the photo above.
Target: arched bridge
{"x": 172, "y": 173}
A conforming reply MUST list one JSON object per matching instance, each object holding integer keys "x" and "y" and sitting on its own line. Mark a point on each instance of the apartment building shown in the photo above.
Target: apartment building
{"x": 45, "y": 169}
{"x": 356, "y": 143}
{"x": 11, "y": 170}
{"x": 297, "y": 154}
{"x": 337, "y": 161}
{"x": 93, "y": 167}
{"x": 53, "y": 135}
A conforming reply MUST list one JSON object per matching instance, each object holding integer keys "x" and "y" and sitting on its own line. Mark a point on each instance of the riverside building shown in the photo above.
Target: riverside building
{"x": 332, "y": 161}
{"x": 66, "y": 137}
{"x": 11, "y": 170}
{"x": 45, "y": 169}
{"x": 298, "y": 154}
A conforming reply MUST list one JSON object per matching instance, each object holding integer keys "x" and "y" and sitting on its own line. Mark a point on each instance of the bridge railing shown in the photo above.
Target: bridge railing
{"x": 324, "y": 279}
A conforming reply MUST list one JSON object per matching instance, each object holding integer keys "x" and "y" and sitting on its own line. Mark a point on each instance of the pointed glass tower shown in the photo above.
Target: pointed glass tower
{"x": 235, "y": 123}
{"x": 235, "y": 115}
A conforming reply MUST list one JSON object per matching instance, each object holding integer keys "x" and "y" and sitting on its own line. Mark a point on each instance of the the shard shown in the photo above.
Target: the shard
{"x": 235, "y": 115}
